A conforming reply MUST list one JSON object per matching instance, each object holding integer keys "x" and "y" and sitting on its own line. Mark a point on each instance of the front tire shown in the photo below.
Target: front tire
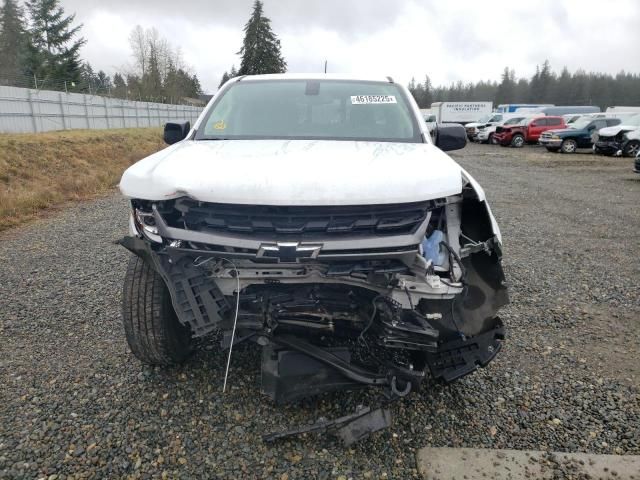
{"x": 632, "y": 148}
{"x": 517, "y": 141}
{"x": 154, "y": 334}
{"x": 569, "y": 146}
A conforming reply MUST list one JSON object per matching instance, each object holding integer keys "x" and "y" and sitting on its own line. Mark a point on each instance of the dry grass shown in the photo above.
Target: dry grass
{"x": 45, "y": 170}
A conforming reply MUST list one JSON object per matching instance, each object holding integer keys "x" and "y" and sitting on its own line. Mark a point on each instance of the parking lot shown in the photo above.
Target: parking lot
{"x": 76, "y": 402}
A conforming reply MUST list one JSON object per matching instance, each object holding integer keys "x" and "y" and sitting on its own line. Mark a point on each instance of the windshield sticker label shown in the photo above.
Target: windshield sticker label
{"x": 367, "y": 99}
{"x": 220, "y": 125}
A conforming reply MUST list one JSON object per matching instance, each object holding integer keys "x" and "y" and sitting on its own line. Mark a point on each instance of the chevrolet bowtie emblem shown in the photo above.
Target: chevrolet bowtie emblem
{"x": 289, "y": 252}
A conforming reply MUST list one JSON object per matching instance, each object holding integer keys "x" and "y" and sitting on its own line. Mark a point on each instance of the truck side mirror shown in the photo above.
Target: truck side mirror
{"x": 451, "y": 136}
{"x": 175, "y": 132}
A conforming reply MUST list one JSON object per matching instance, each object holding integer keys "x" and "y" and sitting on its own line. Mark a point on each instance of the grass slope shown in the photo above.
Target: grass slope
{"x": 45, "y": 170}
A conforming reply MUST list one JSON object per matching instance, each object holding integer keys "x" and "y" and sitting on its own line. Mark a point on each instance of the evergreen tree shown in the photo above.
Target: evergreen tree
{"x": 225, "y": 78}
{"x": 53, "y": 51}
{"x": 103, "y": 82}
{"x": 261, "y": 47}
{"x": 12, "y": 43}
{"x": 427, "y": 98}
{"x": 152, "y": 79}
{"x": 507, "y": 87}
{"x": 563, "y": 86}
{"x": 119, "y": 86}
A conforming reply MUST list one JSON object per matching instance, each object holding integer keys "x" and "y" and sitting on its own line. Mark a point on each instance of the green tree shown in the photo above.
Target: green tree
{"x": 119, "y": 86}
{"x": 427, "y": 96}
{"x": 507, "y": 87}
{"x": 179, "y": 85}
{"x": 225, "y": 78}
{"x": 152, "y": 79}
{"x": 54, "y": 47}
{"x": 261, "y": 47}
{"x": 12, "y": 43}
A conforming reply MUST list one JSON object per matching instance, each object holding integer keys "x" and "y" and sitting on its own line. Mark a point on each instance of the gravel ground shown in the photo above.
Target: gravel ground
{"x": 75, "y": 403}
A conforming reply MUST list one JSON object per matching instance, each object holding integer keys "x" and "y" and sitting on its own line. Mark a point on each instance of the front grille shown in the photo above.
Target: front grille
{"x": 297, "y": 221}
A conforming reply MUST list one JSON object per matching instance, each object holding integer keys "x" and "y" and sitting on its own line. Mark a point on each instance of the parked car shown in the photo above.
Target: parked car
{"x": 527, "y": 131}
{"x": 614, "y": 140}
{"x": 494, "y": 119}
{"x": 580, "y": 134}
{"x": 485, "y": 133}
{"x": 313, "y": 217}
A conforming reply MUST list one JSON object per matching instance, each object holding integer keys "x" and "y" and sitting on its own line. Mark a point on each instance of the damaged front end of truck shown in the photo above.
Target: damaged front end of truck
{"x": 337, "y": 297}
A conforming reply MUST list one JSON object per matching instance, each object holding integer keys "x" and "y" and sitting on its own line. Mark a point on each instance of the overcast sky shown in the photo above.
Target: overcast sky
{"x": 449, "y": 40}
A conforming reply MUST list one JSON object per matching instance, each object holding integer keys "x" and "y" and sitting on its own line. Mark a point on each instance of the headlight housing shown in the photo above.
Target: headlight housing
{"x": 145, "y": 223}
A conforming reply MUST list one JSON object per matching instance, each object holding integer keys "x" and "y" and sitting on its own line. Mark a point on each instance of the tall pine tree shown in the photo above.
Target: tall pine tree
{"x": 54, "y": 49}
{"x": 12, "y": 43}
{"x": 261, "y": 48}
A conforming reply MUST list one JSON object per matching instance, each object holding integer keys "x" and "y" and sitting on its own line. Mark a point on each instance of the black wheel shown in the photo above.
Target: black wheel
{"x": 553, "y": 149}
{"x": 569, "y": 146}
{"x": 154, "y": 334}
{"x": 517, "y": 141}
{"x": 632, "y": 148}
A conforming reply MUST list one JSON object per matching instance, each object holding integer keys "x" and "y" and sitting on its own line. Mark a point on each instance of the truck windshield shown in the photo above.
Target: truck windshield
{"x": 512, "y": 121}
{"x": 581, "y": 123}
{"x": 311, "y": 109}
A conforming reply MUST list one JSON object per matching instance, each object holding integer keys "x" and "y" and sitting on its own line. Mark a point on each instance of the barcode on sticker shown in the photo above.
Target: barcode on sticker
{"x": 364, "y": 99}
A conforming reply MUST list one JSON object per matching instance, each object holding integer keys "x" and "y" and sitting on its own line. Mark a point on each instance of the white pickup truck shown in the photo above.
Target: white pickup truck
{"x": 314, "y": 217}
{"x": 492, "y": 120}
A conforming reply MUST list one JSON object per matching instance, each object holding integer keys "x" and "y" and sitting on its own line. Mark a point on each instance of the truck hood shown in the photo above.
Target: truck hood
{"x": 478, "y": 124}
{"x": 615, "y": 130}
{"x": 561, "y": 131}
{"x": 299, "y": 172}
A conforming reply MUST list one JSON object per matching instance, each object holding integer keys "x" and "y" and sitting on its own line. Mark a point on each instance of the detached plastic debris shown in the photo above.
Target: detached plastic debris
{"x": 349, "y": 428}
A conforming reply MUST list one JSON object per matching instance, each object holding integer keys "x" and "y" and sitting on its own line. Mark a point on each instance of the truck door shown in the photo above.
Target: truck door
{"x": 536, "y": 127}
{"x": 587, "y": 138}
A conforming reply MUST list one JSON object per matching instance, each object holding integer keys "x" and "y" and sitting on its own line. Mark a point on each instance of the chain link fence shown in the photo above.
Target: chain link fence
{"x": 26, "y": 110}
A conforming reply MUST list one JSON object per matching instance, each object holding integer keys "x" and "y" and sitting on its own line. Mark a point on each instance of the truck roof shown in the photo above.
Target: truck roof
{"x": 312, "y": 76}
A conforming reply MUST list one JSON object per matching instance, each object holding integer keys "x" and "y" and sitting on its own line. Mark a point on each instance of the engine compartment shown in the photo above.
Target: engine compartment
{"x": 319, "y": 269}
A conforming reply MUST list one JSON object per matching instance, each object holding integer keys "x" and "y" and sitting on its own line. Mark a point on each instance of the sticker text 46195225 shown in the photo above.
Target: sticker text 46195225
{"x": 367, "y": 99}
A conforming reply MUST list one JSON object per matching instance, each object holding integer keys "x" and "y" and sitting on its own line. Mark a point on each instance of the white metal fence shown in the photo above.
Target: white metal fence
{"x": 24, "y": 110}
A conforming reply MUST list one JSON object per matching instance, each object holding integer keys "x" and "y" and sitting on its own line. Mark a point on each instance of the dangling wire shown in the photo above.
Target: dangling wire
{"x": 235, "y": 322}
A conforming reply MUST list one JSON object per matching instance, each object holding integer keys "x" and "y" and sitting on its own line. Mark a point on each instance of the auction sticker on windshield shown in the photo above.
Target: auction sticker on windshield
{"x": 366, "y": 99}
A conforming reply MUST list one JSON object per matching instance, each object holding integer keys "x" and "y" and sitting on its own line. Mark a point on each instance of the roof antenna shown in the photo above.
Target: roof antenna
{"x": 325, "y": 66}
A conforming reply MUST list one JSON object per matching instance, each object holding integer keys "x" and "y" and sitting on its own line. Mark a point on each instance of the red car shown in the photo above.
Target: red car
{"x": 527, "y": 131}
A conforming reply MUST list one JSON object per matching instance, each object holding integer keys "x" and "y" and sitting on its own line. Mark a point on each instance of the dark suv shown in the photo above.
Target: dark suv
{"x": 580, "y": 134}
